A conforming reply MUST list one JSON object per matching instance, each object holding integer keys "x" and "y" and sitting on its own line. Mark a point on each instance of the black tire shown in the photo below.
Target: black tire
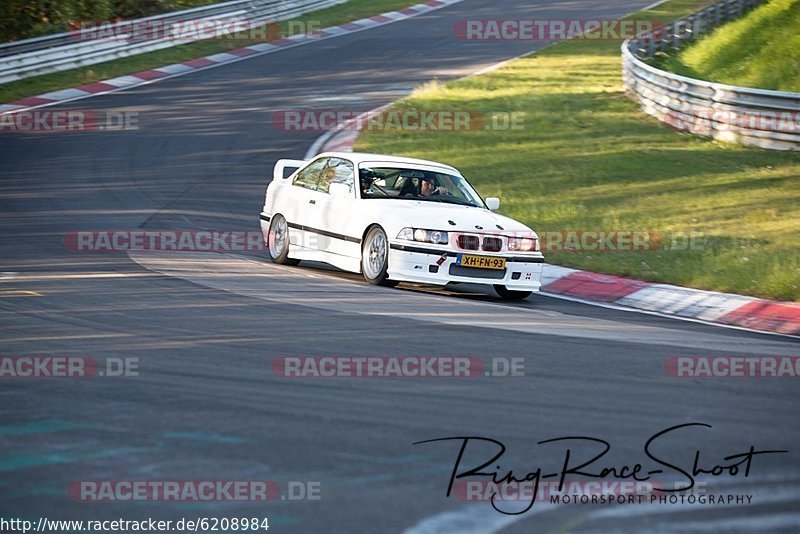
{"x": 508, "y": 294}
{"x": 375, "y": 258}
{"x": 278, "y": 241}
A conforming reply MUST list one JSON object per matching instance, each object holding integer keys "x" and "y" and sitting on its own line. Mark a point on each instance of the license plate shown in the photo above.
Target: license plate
{"x": 481, "y": 262}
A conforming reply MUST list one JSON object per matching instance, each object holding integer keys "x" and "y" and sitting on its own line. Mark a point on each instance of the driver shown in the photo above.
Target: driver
{"x": 428, "y": 188}
{"x": 365, "y": 185}
{"x": 366, "y": 178}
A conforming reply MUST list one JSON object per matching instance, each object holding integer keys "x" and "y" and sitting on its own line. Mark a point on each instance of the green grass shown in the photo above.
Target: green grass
{"x": 352, "y": 10}
{"x": 587, "y": 158}
{"x": 761, "y": 49}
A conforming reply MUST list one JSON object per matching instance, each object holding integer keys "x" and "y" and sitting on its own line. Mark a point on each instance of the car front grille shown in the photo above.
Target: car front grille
{"x": 492, "y": 244}
{"x": 468, "y": 242}
{"x": 477, "y": 242}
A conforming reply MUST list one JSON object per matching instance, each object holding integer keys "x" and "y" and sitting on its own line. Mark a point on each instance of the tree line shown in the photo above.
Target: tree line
{"x": 22, "y": 19}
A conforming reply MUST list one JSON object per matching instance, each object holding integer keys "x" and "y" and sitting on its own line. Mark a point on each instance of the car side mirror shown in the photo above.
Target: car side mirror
{"x": 338, "y": 189}
{"x": 493, "y": 203}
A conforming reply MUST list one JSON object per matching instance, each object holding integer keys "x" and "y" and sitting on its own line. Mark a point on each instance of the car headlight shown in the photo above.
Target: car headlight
{"x": 426, "y": 236}
{"x": 521, "y": 244}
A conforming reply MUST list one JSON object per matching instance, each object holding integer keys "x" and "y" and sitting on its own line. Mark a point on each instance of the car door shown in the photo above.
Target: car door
{"x": 301, "y": 209}
{"x": 335, "y": 198}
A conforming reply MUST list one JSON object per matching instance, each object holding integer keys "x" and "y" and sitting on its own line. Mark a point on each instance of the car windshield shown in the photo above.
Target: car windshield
{"x": 414, "y": 184}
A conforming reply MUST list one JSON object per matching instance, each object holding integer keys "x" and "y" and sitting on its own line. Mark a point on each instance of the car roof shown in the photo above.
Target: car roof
{"x": 361, "y": 157}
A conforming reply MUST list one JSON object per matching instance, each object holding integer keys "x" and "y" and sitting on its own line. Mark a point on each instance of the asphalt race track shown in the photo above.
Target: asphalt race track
{"x": 206, "y": 328}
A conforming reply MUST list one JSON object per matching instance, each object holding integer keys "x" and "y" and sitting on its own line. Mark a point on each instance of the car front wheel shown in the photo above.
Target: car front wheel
{"x": 278, "y": 241}
{"x": 375, "y": 258}
{"x": 508, "y": 294}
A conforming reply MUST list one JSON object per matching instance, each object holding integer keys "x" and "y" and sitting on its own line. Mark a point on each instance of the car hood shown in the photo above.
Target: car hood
{"x": 446, "y": 217}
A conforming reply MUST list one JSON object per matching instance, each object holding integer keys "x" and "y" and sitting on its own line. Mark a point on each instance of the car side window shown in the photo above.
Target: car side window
{"x": 309, "y": 176}
{"x": 338, "y": 170}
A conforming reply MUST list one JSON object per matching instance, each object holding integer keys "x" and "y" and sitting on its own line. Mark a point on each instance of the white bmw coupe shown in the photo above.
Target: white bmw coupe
{"x": 397, "y": 220}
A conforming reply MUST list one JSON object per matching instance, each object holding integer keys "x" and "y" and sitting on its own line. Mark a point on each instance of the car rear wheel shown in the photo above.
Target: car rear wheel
{"x": 508, "y": 294}
{"x": 375, "y": 258}
{"x": 278, "y": 241}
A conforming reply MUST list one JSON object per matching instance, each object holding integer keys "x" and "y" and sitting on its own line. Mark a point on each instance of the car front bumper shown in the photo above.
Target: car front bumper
{"x": 427, "y": 265}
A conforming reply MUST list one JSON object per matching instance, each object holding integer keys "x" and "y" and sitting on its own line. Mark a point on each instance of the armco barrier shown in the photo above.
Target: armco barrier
{"x": 756, "y": 117}
{"x": 54, "y": 53}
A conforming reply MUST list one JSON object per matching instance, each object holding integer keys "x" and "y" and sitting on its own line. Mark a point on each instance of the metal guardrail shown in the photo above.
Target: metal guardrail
{"x": 673, "y": 35}
{"x": 756, "y": 117}
{"x": 64, "y": 51}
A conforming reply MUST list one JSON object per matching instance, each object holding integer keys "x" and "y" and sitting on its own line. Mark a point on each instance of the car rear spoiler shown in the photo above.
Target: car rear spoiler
{"x": 283, "y": 164}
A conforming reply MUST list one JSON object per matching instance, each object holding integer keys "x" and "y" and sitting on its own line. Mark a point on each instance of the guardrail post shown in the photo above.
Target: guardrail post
{"x": 676, "y": 35}
{"x": 666, "y": 39}
{"x": 699, "y": 21}
{"x": 651, "y": 47}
